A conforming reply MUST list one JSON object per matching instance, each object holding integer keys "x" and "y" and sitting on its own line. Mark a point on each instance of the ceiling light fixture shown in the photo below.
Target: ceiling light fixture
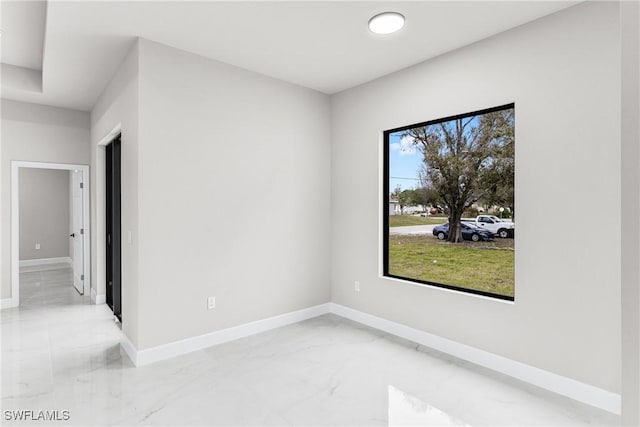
{"x": 386, "y": 23}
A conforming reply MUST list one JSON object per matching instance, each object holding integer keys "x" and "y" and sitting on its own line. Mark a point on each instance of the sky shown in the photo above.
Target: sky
{"x": 405, "y": 160}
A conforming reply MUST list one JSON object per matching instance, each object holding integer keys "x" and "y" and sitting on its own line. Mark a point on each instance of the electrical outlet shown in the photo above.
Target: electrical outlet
{"x": 211, "y": 303}
{"x": 37, "y": 246}
{"x": 356, "y": 286}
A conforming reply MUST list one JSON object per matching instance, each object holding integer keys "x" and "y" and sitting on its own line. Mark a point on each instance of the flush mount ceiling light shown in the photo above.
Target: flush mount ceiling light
{"x": 386, "y": 23}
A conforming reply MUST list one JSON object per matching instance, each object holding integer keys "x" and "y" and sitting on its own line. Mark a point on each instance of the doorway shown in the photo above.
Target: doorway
{"x": 77, "y": 230}
{"x": 113, "y": 229}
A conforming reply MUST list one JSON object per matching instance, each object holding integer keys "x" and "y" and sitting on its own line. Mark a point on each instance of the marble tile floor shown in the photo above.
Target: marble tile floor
{"x": 48, "y": 285}
{"x": 61, "y": 353}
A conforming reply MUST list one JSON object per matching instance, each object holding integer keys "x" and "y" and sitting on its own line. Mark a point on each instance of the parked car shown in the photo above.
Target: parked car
{"x": 469, "y": 232}
{"x": 496, "y": 225}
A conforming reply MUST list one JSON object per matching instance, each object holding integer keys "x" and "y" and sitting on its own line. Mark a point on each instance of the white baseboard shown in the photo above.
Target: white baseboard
{"x": 559, "y": 384}
{"x": 188, "y": 345}
{"x": 45, "y": 261}
{"x": 576, "y": 390}
{"x": 129, "y": 349}
{"x": 8, "y": 303}
{"x": 98, "y": 299}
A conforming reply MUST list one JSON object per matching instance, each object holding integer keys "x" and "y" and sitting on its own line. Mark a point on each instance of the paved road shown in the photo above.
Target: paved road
{"x": 412, "y": 230}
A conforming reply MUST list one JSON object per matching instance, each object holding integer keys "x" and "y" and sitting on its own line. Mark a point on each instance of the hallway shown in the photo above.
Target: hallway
{"x": 48, "y": 286}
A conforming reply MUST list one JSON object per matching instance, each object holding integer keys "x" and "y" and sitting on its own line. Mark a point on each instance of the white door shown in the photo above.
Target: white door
{"x": 77, "y": 232}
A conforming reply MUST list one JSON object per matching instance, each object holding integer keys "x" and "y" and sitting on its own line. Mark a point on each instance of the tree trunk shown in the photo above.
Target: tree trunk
{"x": 455, "y": 231}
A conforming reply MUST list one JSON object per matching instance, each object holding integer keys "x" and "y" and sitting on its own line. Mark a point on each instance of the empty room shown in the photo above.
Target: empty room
{"x": 320, "y": 213}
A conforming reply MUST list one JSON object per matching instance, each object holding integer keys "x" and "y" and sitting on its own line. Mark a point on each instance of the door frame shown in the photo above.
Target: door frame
{"x": 99, "y": 205}
{"x": 15, "y": 222}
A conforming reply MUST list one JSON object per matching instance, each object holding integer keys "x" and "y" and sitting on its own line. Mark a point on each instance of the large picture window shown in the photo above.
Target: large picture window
{"x": 449, "y": 211}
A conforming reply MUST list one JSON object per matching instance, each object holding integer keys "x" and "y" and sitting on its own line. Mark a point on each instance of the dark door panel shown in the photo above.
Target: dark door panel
{"x": 114, "y": 227}
{"x": 109, "y": 222}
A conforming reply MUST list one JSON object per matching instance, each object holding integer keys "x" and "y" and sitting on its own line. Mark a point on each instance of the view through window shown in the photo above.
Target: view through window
{"x": 449, "y": 202}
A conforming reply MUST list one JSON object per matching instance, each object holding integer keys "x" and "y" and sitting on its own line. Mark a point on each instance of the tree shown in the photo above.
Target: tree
{"x": 499, "y": 181}
{"x": 426, "y": 193}
{"x": 461, "y": 156}
{"x": 395, "y": 194}
{"x": 405, "y": 198}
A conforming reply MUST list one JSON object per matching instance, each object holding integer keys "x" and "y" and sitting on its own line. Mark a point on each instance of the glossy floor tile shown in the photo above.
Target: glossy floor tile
{"x": 47, "y": 286}
{"x": 61, "y": 353}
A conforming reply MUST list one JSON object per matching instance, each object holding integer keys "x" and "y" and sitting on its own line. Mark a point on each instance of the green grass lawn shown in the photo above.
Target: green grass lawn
{"x": 483, "y": 266}
{"x": 405, "y": 220}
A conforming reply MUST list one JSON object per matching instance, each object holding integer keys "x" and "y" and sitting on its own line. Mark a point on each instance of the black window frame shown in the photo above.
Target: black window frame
{"x": 386, "y": 197}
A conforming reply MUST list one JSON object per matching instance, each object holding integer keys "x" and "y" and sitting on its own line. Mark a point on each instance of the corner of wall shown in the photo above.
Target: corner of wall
{"x": 116, "y": 111}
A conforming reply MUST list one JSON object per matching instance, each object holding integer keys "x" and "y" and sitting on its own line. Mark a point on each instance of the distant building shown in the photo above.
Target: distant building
{"x": 394, "y": 207}
{"x": 410, "y": 210}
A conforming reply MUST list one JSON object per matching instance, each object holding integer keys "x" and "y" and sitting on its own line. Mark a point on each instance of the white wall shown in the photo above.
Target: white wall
{"x": 630, "y": 28}
{"x": 44, "y": 213}
{"x": 40, "y": 134}
{"x": 117, "y": 107}
{"x": 234, "y": 196}
{"x": 563, "y": 73}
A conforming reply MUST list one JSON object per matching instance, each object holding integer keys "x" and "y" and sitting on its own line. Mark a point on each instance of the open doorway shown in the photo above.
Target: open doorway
{"x": 49, "y": 230}
{"x": 113, "y": 235}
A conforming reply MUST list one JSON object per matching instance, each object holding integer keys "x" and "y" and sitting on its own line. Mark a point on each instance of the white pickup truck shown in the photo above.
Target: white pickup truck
{"x": 496, "y": 225}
